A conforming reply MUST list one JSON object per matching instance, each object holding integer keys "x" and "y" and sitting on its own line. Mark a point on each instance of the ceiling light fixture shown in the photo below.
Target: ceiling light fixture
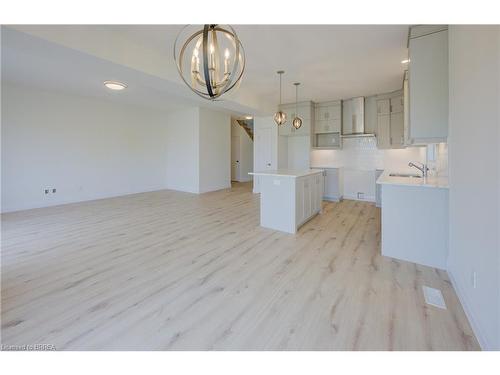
{"x": 406, "y": 61}
{"x": 210, "y": 60}
{"x": 115, "y": 85}
{"x": 248, "y": 117}
{"x": 280, "y": 116}
{"x": 297, "y": 121}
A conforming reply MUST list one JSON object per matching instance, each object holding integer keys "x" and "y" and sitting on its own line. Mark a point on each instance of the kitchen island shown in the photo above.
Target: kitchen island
{"x": 289, "y": 198}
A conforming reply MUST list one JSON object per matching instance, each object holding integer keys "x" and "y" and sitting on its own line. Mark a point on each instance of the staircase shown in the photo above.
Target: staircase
{"x": 248, "y": 126}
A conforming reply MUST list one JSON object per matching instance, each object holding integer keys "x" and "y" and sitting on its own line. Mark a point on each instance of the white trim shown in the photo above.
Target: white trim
{"x": 483, "y": 343}
{"x": 367, "y": 198}
{"x": 332, "y": 199}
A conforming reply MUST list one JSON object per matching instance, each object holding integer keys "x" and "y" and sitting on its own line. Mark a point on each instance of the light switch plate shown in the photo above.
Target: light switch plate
{"x": 277, "y": 182}
{"x": 434, "y": 297}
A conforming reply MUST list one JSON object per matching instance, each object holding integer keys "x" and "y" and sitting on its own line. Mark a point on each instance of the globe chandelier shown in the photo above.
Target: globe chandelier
{"x": 210, "y": 59}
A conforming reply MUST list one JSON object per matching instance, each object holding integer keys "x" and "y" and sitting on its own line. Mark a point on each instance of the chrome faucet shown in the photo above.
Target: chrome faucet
{"x": 422, "y": 169}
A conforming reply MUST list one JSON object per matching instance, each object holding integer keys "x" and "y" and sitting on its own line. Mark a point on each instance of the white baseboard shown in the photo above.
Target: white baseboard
{"x": 468, "y": 313}
{"x": 207, "y": 189}
{"x": 355, "y": 198}
{"x": 333, "y": 199}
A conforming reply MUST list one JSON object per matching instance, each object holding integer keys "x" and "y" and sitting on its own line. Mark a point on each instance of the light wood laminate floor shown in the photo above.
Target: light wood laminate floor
{"x": 168, "y": 270}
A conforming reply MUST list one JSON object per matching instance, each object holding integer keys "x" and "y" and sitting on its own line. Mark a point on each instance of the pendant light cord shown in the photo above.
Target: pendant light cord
{"x": 280, "y": 72}
{"x": 296, "y": 99}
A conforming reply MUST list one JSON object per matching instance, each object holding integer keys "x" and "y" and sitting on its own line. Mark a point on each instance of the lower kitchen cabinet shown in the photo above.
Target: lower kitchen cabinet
{"x": 333, "y": 184}
{"x": 309, "y": 190}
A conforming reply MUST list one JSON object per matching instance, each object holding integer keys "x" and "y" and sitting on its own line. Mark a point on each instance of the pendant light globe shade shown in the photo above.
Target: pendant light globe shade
{"x": 210, "y": 59}
{"x": 297, "y": 122}
{"x": 280, "y": 117}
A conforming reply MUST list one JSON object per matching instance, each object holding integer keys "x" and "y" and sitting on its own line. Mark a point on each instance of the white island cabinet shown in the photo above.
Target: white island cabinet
{"x": 289, "y": 198}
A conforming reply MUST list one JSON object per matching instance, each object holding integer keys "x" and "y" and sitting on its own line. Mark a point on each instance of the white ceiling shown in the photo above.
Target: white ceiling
{"x": 331, "y": 61}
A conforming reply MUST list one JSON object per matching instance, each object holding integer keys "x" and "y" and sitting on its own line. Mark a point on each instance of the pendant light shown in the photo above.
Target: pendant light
{"x": 210, "y": 59}
{"x": 280, "y": 116}
{"x": 297, "y": 121}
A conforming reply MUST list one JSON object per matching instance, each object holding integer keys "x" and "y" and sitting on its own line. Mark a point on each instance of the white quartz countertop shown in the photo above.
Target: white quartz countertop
{"x": 293, "y": 173}
{"x": 324, "y": 167}
{"x": 439, "y": 182}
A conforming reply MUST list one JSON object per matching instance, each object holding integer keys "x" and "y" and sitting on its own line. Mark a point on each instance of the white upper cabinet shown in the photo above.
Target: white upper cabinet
{"x": 327, "y": 125}
{"x": 397, "y": 104}
{"x": 383, "y": 106}
{"x": 384, "y": 130}
{"x": 328, "y": 117}
{"x": 390, "y": 121}
{"x": 428, "y": 85}
{"x": 397, "y": 130}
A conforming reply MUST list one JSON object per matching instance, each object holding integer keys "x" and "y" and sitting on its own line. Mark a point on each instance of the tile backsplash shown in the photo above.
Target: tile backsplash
{"x": 362, "y": 154}
{"x": 360, "y": 157}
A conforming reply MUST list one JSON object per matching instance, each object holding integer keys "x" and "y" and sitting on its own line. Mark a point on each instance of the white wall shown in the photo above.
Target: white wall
{"x": 360, "y": 158}
{"x": 474, "y": 176}
{"x": 182, "y": 150}
{"x": 215, "y": 150}
{"x": 198, "y": 150}
{"x": 85, "y": 148}
{"x": 246, "y": 152}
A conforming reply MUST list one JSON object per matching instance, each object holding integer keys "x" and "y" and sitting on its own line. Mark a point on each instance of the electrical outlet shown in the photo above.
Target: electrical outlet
{"x": 474, "y": 279}
{"x": 54, "y": 191}
{"x": 46, "y": 191}
{"x": 361, "y": 195}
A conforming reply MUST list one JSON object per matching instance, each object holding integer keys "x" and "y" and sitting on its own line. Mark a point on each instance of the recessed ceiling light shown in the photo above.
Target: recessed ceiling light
{"x": 406, "y": 61}
{"x": 114, "y": 85}
{"x": 248, "y": 117}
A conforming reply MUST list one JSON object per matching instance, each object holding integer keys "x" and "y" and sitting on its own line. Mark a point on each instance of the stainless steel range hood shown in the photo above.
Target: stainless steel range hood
{"x": 353, "y": 118}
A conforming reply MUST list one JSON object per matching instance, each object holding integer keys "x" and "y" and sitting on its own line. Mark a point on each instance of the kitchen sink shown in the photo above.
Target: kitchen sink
{"x": 408, "y": 175}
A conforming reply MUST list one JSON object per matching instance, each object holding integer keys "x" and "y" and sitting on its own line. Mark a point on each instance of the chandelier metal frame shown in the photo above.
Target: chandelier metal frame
{"x": 214, "y": 88}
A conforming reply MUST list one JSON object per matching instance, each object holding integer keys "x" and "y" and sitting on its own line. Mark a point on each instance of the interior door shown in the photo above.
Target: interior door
{"x": 235, "y": 158}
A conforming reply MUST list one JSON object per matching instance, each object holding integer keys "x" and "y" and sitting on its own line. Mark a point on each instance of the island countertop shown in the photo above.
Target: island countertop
{"x": 440, "y": 182}
{"x": 292, "y": 173}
